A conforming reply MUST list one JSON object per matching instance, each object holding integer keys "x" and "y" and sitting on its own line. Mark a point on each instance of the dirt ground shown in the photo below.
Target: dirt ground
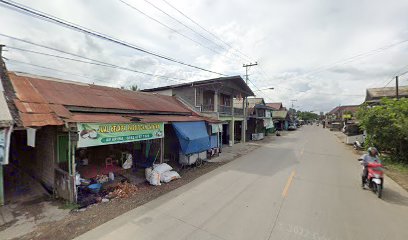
{"x": 397, "y": 174}
{"x": 79, "y": 222}
{"x": 70, "y": 224}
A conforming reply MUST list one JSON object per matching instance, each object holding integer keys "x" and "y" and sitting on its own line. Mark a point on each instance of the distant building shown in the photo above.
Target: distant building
{"x": 214, "y": 98}
{"x": 259, "y": 117}
{"x": 278, "y": 106}
{"x": 374, "y": 95}
{"x": 342, "y": 112}
{"x": 280, "y": 115}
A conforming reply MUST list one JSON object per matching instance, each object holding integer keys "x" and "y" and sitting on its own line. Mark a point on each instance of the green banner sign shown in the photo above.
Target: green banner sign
{"x": 95, "y": 134}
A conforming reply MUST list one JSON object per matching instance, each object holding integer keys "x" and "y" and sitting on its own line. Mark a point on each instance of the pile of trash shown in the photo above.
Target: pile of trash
{"x": 88, "y": 195}
{"x": 102, "y": 178}
{"x": 160, "y": 173}
{"x": 123, "y": 190}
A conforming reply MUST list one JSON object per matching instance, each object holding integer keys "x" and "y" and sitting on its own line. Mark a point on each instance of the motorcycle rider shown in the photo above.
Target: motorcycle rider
{"x": 370, "y": 157}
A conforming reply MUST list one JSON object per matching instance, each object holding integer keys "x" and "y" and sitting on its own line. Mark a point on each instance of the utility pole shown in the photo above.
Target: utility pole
{"x": 396, "y": 88}
{"x": 244, "y": 125}
{"x": 293, "y": 100}
{"x": 1, "y": 50}
{"x": 247, "y": 66}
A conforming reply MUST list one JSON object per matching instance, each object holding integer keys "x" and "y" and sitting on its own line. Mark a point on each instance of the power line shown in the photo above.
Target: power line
{"x": 355, "y": 57}
{"x": 53, "y": 69}
{"x": 51, "y": 48}
{"x": 190, "y": 28}
{"x": 168, "y": 27}
{"x": 197, "y": 32}
{"x": 398, "y": 73}
{"x": 215, "y": 36}
{"x": 102, "y": 64}
{"x": 350, "y": 59}
{"x": 47, "y": 17}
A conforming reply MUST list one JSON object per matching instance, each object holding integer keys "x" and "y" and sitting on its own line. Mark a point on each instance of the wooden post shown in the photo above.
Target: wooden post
{"x": 1, "y": 186}
{"x": 71, "y": 167}
{"x": 232, "y": 127}
{"x": 216, "y": 101}
{"x": 162, "y": 150}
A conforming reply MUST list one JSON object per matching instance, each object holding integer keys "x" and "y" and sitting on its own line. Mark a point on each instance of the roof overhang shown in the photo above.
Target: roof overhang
{"x": 238, "y": 79}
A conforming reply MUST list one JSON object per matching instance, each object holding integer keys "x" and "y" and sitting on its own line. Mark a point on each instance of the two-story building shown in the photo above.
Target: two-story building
{"x": 259, "y": 117}
{"x": 214, "y": 98}
{"x": 280, "y": 115}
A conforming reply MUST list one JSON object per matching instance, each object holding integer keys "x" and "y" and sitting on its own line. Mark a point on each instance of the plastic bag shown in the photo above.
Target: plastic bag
{"x": 148, "y": 172}
{"x": 169, "y": 176}
{"x": 154, "y": 178}
{"x": 161, "y": 168}
{"x": 128, "y": 163}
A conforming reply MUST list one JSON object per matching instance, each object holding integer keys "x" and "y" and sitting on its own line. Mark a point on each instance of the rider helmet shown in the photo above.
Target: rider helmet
{"x": 372, "y": 151}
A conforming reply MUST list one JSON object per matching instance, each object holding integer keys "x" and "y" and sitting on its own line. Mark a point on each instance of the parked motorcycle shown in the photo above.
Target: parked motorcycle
{"x": 358, "y": 146}
{"x": 375, "y": 177}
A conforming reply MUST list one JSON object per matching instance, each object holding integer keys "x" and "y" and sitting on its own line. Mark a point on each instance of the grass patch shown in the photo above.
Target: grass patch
{"x": 393, "y": 165}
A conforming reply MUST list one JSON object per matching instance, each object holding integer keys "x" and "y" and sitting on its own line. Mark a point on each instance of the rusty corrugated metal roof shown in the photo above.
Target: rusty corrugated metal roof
{"x": 42, "y": 101}
{"x": 168, "y": 118}
{"x": 28, "y": 107}
{"x": 116, "y": 118}
{"x": 276, "y": 106}
{"x": 37, "y": 90}
{"x": 60, "y": 110}
{"x": 39, "y": 120}
{"x": 98, "y": 118}
{"x": 24, "y": 90}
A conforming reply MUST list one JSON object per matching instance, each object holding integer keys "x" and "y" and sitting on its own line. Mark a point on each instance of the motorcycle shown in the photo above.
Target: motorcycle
{"x": 375, "y": 177}
{"x": 358, "y": 146}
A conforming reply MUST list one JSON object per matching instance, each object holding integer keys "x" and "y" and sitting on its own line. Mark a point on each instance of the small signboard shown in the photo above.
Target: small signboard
{"x": 96, "y": 134}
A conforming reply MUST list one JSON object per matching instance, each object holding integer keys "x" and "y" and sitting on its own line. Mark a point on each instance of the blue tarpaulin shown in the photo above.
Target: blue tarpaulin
{"x": 214, "y": 141}
{"x": 193, "y": 136}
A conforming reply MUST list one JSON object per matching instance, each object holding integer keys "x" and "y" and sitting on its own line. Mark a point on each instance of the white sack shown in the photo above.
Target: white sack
{"x": 161, "y": 168}
{"x": 148, "y": 172}
{"x": 169, "y": 176}
{"x": 154, "y": 178}
{"x": 128, "y": 163}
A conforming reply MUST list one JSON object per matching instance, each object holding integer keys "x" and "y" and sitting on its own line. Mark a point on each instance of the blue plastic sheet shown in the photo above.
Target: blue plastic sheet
{"x": 214, "y": 142}
{"x": 193, "y": 136}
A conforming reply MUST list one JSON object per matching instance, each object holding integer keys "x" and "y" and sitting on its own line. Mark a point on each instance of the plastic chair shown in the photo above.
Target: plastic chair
{"x": 109, "y": 162}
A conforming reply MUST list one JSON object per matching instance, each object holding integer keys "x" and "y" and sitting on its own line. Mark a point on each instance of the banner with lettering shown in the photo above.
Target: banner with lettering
{"x": 96, "y": 134}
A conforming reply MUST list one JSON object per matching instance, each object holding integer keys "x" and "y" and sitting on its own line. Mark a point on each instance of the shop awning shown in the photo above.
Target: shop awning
{"x": 193, "y": 136}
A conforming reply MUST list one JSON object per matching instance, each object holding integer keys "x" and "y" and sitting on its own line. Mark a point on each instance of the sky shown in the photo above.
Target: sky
{"x": 319, "y": 53}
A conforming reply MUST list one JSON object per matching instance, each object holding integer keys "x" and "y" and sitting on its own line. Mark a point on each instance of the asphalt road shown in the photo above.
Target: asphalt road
{"x": 304, "y": 185}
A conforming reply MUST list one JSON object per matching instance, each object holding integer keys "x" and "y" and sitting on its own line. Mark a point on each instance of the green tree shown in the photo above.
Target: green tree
{"x": 307, "y": 116}
{"x": 387, "y": 127}
{"x": 133, "y": 87}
